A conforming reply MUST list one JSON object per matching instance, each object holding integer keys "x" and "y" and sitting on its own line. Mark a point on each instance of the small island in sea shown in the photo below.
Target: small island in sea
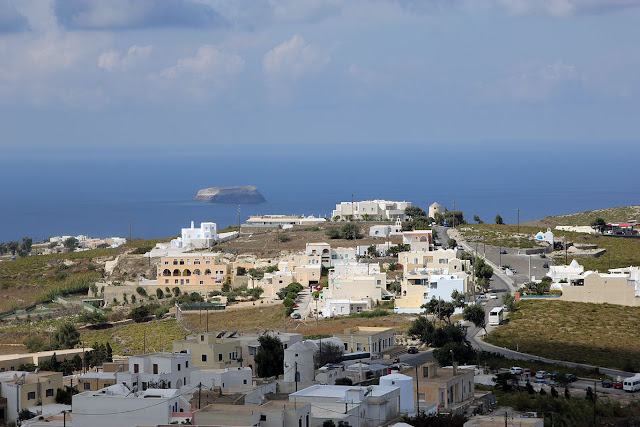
{"x": 236, "y": 194}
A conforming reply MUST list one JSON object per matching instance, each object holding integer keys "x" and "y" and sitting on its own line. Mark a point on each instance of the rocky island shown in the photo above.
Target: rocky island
{"x": 236, "y": 194}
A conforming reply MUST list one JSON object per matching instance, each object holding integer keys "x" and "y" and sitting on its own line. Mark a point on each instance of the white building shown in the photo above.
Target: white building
{"x": 544, "y": 236}
{"x": 381, "y": 249}
{"x": 281, "y": 221}
{"x": 157, "y": 370}
{"x": 197, "y": 238}
{"x": 373, "y": 209}
{"x": 118, "y": 406}
{"x": 298, "y": 363}
{"x": 420, "y": 286}
{"x": 565, "y": 272}
{"x": 223, "y": 378}
{"x": 328, "y": 256}
{"x": 386, "y": 230}
{"x": 344, "y": 307}
{"x": 375, "y": 404}
{"x": 405, "y": 383}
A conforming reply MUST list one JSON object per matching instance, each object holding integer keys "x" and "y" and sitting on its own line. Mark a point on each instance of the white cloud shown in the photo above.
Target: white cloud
{"x": 532, "y": 82}
{"x": 113, "y": 59}
{"x": 565, "y": 8}
{"x": 289, "y": 62}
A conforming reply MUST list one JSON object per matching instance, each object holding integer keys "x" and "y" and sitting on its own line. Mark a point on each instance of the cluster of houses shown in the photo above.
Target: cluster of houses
{"x": 211, "y": 379}
{"x": 85, "y": 243}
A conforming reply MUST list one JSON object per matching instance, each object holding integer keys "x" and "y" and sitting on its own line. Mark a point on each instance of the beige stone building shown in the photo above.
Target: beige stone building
{"x": 420, "y": 286}
{"x": 448, "y": 387}
{"x": 28, "y": 389}
{"x": 193, "y": 269}
{"x": 11, "y": 362}
{"x": 375, "y": 340}
{"x": 207, "y": 350}
{"x": 443, "y": 259}
{"x": 621, "y": 288}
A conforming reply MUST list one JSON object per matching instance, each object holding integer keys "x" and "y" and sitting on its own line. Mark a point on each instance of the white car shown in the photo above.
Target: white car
{"x": 515, "y": 370}
{"x": 493, "y": 296}
{"x": 541, "y": 375}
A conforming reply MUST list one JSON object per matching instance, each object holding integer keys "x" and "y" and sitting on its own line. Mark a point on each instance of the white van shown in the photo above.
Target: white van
{"x": 631, "y": 383}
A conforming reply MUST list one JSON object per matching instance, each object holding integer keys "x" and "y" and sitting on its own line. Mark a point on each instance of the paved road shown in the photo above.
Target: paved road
{"x": 303, "y": 306}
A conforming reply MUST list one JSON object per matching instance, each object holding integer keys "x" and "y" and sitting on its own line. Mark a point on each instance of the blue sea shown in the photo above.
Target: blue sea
{"x": 97, "y": 191}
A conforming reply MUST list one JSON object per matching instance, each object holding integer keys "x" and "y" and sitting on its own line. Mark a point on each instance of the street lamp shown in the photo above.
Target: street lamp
{"x": 518, "y": 219}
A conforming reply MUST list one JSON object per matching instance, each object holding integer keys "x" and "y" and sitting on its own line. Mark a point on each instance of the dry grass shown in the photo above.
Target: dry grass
{"x": 598, "y": 334}
{"x": 617, "y": 214}
{"x": 251, "y": 320}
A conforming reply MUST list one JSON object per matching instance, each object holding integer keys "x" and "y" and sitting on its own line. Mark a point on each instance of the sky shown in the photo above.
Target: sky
{"x": 176, "y": 74}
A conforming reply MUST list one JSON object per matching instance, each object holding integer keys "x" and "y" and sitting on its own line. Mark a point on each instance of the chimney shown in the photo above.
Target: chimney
{"x": 192, "y": 225}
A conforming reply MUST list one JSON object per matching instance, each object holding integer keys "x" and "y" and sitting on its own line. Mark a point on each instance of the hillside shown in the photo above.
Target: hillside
{"x": 617, "y": 214}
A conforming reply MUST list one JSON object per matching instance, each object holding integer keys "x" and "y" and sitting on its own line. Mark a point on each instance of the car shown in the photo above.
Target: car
{"x": 295, "y": 305}
{"x": 493, "y": 296}
{"x": 412, "y": 350}
{"x": 555, "y": 375}
{"x": 404, "y": 366}
{"x": 503, "y": 252}
{"x": 541, "y": 381}
{"x": 572, "y": 378}
{"x": 296, "y": 316}
{"x": 545, "y": 265}
{"x": 543, "y": 256}
{"x": 395, "y": 367}
{"x": 541, "y": 374}
{"x": 618, "y": 385}
{"x": 513, "y": 270}
{"x": 396, "y": 360}
{"x": 607, "y": 383}
{"x": 515, "y": 370}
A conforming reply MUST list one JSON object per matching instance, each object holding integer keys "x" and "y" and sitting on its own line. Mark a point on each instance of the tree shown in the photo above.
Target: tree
{"x": 414, "y": 212}
{"x": 477, "y": 219}
{"x": 176, "y": 291}
{"x": 270, "y": 357}
{"x": 509, "y": 301}
{"x": 34, "y": 344}
{"x": 255, "y": 273}
{"x": 394, "y": 250}
{"x": 529, "y": 388}
{"x": 161, "y": 311}
{"x": 421, "y": 329}
{"x": 94, "y": 318}
{"x": 66, "y": 336}
{"x": 590, "y": 396}
{"x": 599, "y": 225}
{"x": 350, "y": 231}
{"x": 499, "y": 220}
{"x": 288, "y": 302}
{"x": 256, "y": 292}
{"x": 241, "y": 271}
{"x": 482, "y": 270}
{"x": 159, "y": 293}
{"x": 544, "y": 393}
{"x": 454, "y": 217}
{"x": 328, "y": 423}
{"x": 343, "y": 381}
{"x": 444, "y": 310}
{"x": 438, "y": 218}
{"x": 451, "y": 243}
{"x": 554, "y": 392}
{"x": 458, "y": 299}
{"x": 71, "y": 243}
{"x": 373, "y": 251}
{"x": 13, "y": 246}
{"x": 272, "y": 268}
{"x": 462, "y": 353}
{"x": 505, "y": 381}
{"x": 139, "y": 314}
{"x": 52, "y": 245}
{"x": 333, "y": 233}
{"x": 328, "y": 353}
{"x": 475, "y": 314}
{"x": 140, "y": 290}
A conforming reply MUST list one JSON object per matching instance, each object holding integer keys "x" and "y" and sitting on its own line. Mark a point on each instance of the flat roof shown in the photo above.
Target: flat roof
{"x": 339, "y": 391}
{"x": 43, "y": 353}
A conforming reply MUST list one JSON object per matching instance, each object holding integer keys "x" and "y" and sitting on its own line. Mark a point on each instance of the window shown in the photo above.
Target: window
{"x": 181, "y": 262}
{"x": 220, "y": 357}
{"x": 31, "y": 395}
{"x": 207, "y": 262}
{"x": 175, "y": 262}
{"x": 155, "y": 368}
{"x": 244, "y": 381}
{"x": 186, "y": 364}
{"x": 202, "y": 282}
{"x": 176, "y": 281}
{"x": 263, "y": 417}
{"x": 166, "y": 281}
{"x": 204, "y": 357}
{"x": 188, "y": 262}
{"x": 346, "y": 346}
{"x": 179, "y": 366}
{"x": 359, "y": 347}
{"x": 187, "y": 281}
{"x": 166, "y": 263}
{"x": 87, "y": 386}
{"x": 136, "y": 368}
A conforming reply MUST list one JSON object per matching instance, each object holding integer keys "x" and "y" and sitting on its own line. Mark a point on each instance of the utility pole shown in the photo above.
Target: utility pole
{"x": 199, "y": 394}
{"x": 595, "y": 396}
{"x": 518, "y": 219}
{"x": 417, "y": 392}
{"x": 207, "y": 319}
{"x": 238, "y": 220}
{"x": 129, "y": 230}
{"x": 529, "y": 267}
{"x": 144, "y": 341}
{"x": 296, "y": 376}
{"x": 500, "y": 257}
{"x": 454, "y": 215}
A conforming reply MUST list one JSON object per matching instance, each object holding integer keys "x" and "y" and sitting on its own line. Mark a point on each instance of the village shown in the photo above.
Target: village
{"x": 392, "y": 258}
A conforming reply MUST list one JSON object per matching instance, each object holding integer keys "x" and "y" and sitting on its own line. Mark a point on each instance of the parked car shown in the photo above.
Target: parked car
{"x": 412, "y": 350}
{"x": 555, "y": 375}
{"x": 618, "y": 385}
{"x": 396, "y": 360}
{"x": 607, "y": 383}
{"x": 513, "y": 270}
{"x": 542, "y": 374}
{"x": 515, "y": 370}
{"x": 404, "y": 366}
{"x": 503, "y": 252}
{"x": 572, "y": 377}
{"x": 543, "y": 256}
{"x": 493, "y": 296}
{"x": 545, "y": 265}
{"x": 295, "y": 316}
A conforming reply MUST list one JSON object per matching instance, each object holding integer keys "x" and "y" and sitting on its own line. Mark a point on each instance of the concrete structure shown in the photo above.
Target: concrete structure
{"x": 96, "y": 380}
{"x": 270, "y": 414}
{"x": 418, "y": 240}
{"x": 371, "y": 286}
{"x": 157, "y": 370}
{"x": 434, "y": 209}
{"x": 450, "y": 388}
{"x": 344, "y": 307}
{"x": 328, "y": 256}
{"x": 565, "y": 272}
{"x": 386, "y": 231}
{"x": 298, "y": 363}
{"x": 577, "y": 229}
{"x": 405, "y": 384}
{"x": 371, "y": 209}
{"x": 281, "y": 221}
{"x": 193, "y": 269}
{"x": 620, "y": 287}
{"x": 10, "y": 362}
{"x": 381, "y": 249}
{"x": 226, "y": 379}
{"x": 440, "y": 259}
{"x": 418, "y": 287}
{"x": 375, "y": 340}
{"x": 204, "y": 236}
{"x": 118, "y": 406}
{"x": 373, "y": 405}
{"x": 328, "y": 375}
{"x": 544, "y": 236}
{"x": 26, "y": 390}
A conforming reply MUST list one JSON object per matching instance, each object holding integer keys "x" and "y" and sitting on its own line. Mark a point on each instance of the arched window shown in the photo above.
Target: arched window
{"x": 423, "y": 238}
{"x": 186, "y": 272}
{"x": 176, "y": 272}
{"x": 166, "y": 272}
{"x": 196, "y": 272}
{"x": 207, "y": 272}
